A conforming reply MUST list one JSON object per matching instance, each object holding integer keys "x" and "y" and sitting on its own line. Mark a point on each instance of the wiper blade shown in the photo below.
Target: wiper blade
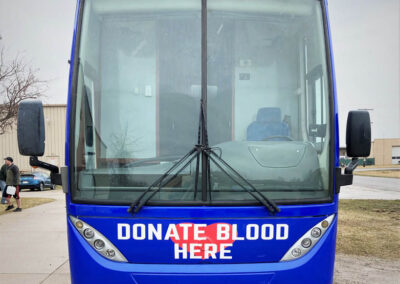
{"x": 211, "y": 155}
{"x": 207, "y": 154}
{"x": 269, "y": 204}
{"x": 161, "y": 182}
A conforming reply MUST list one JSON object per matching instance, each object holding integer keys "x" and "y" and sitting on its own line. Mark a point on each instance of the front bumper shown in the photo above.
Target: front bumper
{"x": 87, "y": 266}
{"x": 29, "y": 185}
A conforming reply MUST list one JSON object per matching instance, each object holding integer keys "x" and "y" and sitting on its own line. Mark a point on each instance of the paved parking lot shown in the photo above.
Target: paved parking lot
{"x": 372, "y": 188}
{"x": 33, "y": 243}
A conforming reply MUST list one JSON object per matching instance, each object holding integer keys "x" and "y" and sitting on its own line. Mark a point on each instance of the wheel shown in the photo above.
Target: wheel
{"x": 31, "y": 189}
{"x": 52, "y": 186}
{"x": 41, "y": 186}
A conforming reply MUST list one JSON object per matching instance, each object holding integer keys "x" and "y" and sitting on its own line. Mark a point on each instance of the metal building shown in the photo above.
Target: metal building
{"x": 54, "y": 116}
{"x": 387, "y": 151}
{"x": 384, "y": 151}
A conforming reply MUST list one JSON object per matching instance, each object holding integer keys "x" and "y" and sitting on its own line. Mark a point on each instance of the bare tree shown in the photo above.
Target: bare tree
{"x": 18, "y": 82}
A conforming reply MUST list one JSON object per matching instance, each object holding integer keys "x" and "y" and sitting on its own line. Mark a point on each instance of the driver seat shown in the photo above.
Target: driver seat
{"x": 268, "y": 123}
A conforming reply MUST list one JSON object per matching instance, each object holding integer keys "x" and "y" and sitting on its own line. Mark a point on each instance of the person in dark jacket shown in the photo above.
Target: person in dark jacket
{"x": 3, "y": 175}
{"x": 12, "y": 179}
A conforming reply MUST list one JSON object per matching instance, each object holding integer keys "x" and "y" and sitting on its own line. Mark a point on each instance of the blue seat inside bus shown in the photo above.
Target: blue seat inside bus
{"x": 268, "y": 124}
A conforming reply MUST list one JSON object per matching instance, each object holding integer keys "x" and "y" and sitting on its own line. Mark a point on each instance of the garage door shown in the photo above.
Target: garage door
{"x": 396, "y": 155}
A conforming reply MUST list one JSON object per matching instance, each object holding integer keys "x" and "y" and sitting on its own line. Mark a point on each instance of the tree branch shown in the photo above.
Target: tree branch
{"x": 18, "y": 82}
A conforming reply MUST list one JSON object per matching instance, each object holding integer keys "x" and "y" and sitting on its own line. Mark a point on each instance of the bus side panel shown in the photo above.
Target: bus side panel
{"x": 87, "y": 266}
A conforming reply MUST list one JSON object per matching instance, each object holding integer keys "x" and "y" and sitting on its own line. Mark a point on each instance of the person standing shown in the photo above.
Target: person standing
{"x": 12, "y": 179}
{"x": 3, "y": 175}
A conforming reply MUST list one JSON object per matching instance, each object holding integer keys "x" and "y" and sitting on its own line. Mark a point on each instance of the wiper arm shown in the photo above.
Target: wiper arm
{"x": 202, "y": 145}
{"x": 141, "y": 201}
{"x": 207, "y": 154}
{"x": 269, "y": 204}
{"x": 198, "y": 149}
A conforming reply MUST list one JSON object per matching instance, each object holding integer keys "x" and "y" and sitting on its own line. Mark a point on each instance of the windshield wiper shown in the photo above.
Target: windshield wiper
{"x": 141, "y": 201}
{"x": 207, "y": 154}
{"x": 196, "y": 152}
{"x": 269, "y": 204}
{"x": 211, "y": 155}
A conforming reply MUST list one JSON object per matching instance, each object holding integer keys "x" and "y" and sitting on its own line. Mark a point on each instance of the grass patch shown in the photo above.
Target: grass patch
{"x": 369, "y": 228}
{"x": 26, "y": 202}
{"x": 380, "y": 167}
{"x": 382, "y": 173}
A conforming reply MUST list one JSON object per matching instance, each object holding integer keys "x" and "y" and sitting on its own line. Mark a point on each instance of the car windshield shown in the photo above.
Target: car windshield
{"x": 140, "y": 79}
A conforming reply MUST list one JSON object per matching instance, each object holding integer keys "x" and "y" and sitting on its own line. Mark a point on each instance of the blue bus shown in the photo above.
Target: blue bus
{"x": 201, "y": 142}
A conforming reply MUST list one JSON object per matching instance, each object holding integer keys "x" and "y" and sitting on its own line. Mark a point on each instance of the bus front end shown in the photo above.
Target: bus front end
{"x": 202, "y": 142}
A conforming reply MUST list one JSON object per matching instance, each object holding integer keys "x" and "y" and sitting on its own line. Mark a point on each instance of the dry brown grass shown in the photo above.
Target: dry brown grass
{"x": 26, "y": 202}
{"x": 369, "y": 228}
{"x": 380, "y": 166}
{"x": 381, "y": 173}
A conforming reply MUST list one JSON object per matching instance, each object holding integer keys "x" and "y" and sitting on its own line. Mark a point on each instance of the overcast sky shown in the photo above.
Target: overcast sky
{"x": 366, "y": 45}
{"x": 365, "y": 35}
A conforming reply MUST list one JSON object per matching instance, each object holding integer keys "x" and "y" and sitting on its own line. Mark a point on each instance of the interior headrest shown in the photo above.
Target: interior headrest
{"x": 269, "y": 114}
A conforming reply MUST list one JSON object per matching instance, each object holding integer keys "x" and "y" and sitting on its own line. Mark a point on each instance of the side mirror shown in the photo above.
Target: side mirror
{"x": 358, "y": 144}
{"x": 30, "y": 128}
{"x": 358, "y": 134}
{"x": 31, "y": 135}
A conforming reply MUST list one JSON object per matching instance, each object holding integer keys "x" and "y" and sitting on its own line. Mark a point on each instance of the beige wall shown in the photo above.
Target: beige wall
{"x": 372, "y": 153}
{"x": 342, "y": 151}
{"x": 382, "y": 149}
{"x": 54, "y": 116}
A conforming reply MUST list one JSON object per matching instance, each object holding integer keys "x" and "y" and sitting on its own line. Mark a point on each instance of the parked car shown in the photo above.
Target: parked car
{"x": 36, "y": 180}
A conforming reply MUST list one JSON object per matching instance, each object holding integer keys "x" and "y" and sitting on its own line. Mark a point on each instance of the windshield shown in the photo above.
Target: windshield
{"x": 142, "y": 71}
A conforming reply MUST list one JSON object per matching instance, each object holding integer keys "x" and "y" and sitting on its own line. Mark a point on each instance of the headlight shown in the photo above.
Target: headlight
{"x": 308, "y": 240}
{"x": 98, "y": 244}
{"x": 306, "y": 243}
{"x": 316, "y": 232}
{"x": 97, "y": 241}
{"x": 296, "y": 252}
{"x": 88, "y": 233}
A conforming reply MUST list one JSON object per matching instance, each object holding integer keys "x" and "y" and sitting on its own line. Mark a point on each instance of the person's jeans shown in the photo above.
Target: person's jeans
{"x": 3, "y": 187}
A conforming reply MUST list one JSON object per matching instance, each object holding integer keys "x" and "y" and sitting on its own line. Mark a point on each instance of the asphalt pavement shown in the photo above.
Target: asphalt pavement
{"x": 365, "y": 187}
